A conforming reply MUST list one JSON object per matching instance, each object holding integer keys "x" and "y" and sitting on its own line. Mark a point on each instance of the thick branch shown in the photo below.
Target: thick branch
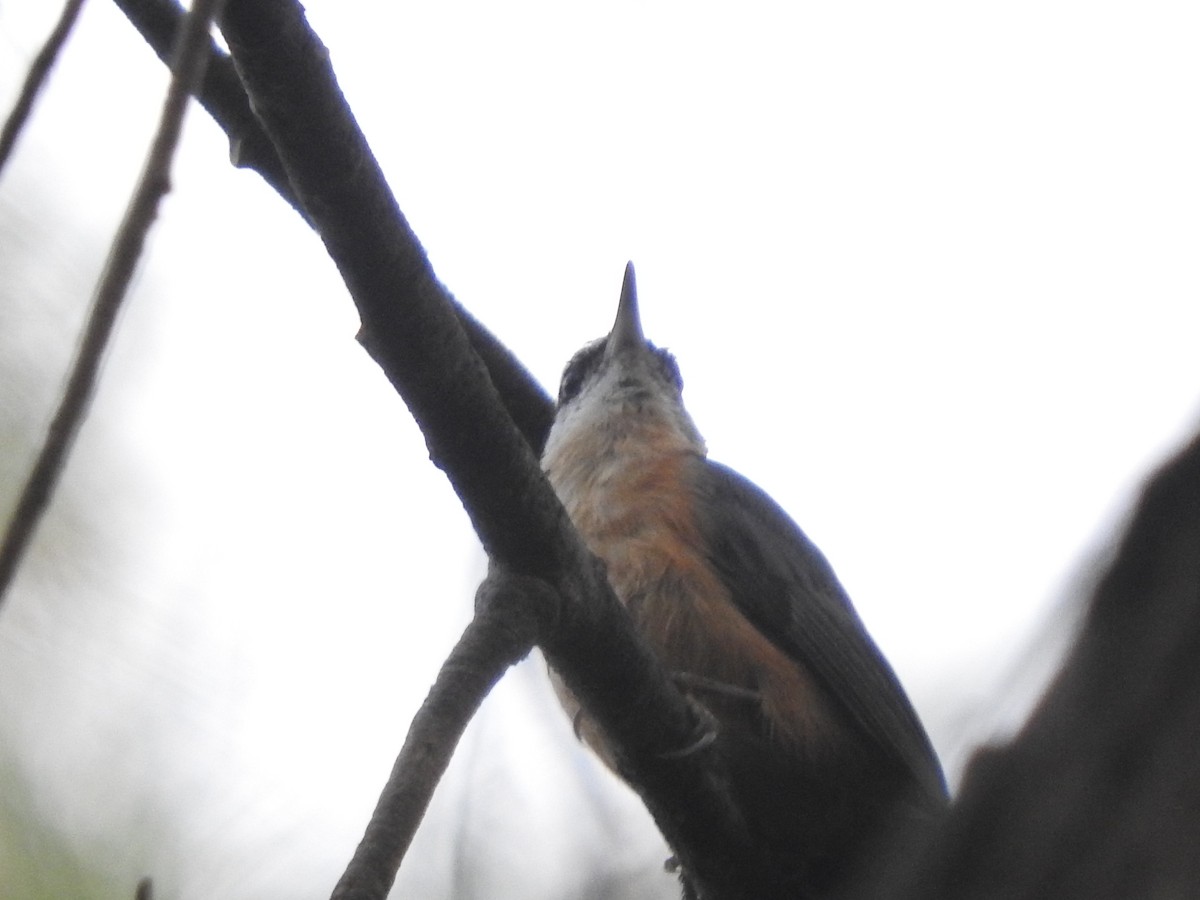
{"x": 223, "y": 96}
{"x": 1099, "y": 795}
{"x": 110, "y": 294}
{"x": 414, "y": 335}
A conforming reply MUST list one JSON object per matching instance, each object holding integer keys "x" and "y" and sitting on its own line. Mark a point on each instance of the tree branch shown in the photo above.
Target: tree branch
{"x": 220, "y": 93}
{"x": 413, "y": 334}
{"x": 511, "y": 613}
{"x": 1098, "y": 797}
{"x": 110, "y": 294}
{"x": 38, "y": 72}
{"x": 223, "y": 96}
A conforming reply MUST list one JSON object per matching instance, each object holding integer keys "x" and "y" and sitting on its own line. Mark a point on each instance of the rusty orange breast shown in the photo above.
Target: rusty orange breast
{"x": 636, "y": 512}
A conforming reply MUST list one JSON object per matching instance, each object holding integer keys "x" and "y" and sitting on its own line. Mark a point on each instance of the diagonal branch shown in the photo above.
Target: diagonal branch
{"x": 220, "y": 93}
{"x": 511, "y": 613}
{"x": 38, "y": 72}
{"x": 223, "y": 96}
{"x": 412, "y": 332}
{"x": 126, "y": 250}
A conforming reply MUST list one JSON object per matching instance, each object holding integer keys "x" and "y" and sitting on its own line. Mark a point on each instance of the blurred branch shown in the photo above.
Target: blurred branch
{"x": 411, "y": 330}
{"x": 145, "y": 890}
{"x": 1098, "y": 797}
{"x": 511, "y": 613}
{"x": 38, "y": 72}
{"x": 110, "y": 294}
{"x": 224, "y": 97}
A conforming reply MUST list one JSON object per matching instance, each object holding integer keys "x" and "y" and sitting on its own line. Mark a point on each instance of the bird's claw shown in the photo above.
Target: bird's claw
{"x": 706, "y": 739}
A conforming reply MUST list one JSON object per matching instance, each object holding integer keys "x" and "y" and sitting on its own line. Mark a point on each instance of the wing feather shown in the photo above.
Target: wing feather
{"x": 783, "y": 584}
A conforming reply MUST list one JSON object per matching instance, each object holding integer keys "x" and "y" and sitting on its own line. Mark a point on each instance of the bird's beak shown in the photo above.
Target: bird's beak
{"x": 627, "y": 330}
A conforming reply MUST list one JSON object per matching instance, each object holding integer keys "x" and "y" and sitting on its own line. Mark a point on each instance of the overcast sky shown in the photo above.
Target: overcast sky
{"x": 929, "y": 270}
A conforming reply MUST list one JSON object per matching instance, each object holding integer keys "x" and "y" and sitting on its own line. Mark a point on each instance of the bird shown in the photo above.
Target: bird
{"x": 816, "y": 733}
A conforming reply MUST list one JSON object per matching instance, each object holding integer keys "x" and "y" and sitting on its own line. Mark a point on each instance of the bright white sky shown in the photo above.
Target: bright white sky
{"x": 929, "y": 270}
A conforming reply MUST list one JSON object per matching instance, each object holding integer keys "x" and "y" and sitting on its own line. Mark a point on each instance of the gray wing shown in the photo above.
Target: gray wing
{"x": 785, "y": 587}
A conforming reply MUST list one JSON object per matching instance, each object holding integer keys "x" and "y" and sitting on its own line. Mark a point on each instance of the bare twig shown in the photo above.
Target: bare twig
{"x": 110, "y": 293}
{"x": 510, "y": 615}
{"x": 38, "y": 72}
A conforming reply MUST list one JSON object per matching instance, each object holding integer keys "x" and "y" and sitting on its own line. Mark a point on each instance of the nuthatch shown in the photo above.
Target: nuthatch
{"x": 814, "y": 729}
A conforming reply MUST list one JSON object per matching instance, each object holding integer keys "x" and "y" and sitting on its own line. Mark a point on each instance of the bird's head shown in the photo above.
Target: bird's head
{"x": 622, "y": 385}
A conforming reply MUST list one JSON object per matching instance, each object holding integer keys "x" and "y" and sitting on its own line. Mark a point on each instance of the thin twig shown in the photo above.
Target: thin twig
{"x": 190, "y": 58}
{"x": 38, "y": 72}
{"x": 509, "y": 616}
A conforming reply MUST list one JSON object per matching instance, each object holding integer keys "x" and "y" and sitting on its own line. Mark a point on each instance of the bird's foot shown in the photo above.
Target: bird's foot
{"x": 708, "y": 732}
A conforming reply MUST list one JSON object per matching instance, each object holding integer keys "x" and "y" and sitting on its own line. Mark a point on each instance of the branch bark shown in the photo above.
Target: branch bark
{"x": 511, "y": 614}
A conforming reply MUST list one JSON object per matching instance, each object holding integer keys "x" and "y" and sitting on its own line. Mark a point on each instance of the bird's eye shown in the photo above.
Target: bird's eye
{"x": 572, "y": 381}
{"x": 576, "y": 373}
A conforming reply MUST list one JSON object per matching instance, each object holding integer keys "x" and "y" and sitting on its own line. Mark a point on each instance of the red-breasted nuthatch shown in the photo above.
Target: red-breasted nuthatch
{"x": 815, "y": 731}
